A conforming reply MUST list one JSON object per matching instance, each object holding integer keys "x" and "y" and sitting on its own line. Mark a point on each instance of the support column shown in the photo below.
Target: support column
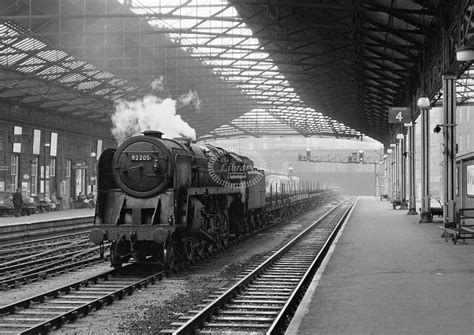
{"x": 425, "y": 214}
{"x": 403, "y": 182}
{"x": 385, "y": 174}
{"x": 449, "y": 153}
{"x": 411, "y": 160}
{"x": 397, "y": 171}
{"x": 389, "y": 174}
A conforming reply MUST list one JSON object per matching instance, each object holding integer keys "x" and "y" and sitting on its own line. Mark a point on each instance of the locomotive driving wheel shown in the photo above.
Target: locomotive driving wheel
{"x": 168, "y": 258}
{"x": 115, "y": 259}
{"x": 188, "y": 249}
{"x": 201, "y": 248}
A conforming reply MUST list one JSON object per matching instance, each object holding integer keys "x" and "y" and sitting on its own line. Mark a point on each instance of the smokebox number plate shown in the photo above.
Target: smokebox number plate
{"x": 140, "y": 157}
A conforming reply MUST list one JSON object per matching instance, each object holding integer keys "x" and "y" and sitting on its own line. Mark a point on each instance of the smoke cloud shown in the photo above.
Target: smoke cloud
{"x": 131, "y": 118}
{"x": 190, "y": 99}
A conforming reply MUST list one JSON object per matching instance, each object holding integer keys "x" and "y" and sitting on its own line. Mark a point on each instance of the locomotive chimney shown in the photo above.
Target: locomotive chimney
{"x": 153, "y": 133}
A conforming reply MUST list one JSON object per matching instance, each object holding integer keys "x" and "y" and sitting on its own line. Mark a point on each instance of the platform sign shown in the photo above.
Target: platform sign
{"x": 399, "y": 115}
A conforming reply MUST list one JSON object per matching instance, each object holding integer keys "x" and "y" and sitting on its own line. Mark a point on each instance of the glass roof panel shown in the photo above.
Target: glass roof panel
{"x": 28, "y": 44}
{"x": 11, "y": 59}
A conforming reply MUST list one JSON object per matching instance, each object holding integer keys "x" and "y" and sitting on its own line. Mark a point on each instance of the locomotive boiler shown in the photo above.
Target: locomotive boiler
{"x": 162, "y": 199}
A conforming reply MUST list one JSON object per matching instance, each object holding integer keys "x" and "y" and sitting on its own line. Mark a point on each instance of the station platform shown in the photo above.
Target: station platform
{"x": 389, "y": 274}
{"x": 6, "y": 221}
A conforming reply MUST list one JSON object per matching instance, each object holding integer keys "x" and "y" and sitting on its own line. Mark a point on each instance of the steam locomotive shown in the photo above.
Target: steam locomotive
{"x": 163, "y": 199}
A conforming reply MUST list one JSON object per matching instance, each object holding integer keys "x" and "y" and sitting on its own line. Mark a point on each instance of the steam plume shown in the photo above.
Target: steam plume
{"x": 150, "y": 113}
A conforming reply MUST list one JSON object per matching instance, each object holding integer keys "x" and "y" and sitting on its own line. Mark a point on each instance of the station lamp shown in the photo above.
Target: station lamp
{"x": 423, "y": 102}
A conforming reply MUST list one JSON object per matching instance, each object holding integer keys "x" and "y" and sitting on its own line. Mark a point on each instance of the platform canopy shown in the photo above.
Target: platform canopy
{"x": 259, "y": 67}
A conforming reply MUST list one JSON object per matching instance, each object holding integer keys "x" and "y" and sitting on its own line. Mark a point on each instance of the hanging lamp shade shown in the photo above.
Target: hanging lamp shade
{"x": 423, "y": 102}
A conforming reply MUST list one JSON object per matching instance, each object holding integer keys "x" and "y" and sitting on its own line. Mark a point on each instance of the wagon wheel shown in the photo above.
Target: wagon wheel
{"x": 224, "y": 230}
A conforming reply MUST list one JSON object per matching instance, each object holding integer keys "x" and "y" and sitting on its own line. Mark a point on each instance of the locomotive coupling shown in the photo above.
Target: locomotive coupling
{"x": 97, "y": 236}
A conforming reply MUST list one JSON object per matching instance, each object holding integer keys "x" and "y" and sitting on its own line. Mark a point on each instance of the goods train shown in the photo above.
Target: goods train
{"x": 162, "y": 199}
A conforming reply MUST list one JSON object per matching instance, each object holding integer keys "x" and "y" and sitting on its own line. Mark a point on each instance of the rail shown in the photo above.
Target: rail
{"x": 277, "y": 324}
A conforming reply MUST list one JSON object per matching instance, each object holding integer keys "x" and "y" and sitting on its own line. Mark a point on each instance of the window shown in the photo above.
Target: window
{"x": 68, "y": 168}
{"x": 34, "y": 177}
{"x": 52, "y": 168}
{"x": 14, "y": 172}
{"x": 470, "y": 180}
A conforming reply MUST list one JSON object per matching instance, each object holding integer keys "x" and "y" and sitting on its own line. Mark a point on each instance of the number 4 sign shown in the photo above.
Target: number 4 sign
{"x": 399, "y": 115}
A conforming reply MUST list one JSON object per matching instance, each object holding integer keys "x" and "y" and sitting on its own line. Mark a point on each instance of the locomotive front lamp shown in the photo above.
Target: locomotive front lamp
{"x": 389, "y": 151}
{"x": 399, "y": 137}
{"x": 423, "y": 102}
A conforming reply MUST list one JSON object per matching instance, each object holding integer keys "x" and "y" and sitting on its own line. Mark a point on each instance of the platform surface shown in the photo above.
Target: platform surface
{"x": 389, "y": 274}
{"x": 48, "y": 216}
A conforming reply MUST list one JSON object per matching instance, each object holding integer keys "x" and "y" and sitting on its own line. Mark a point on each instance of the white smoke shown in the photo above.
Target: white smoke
{"x": 158, "y": 85}
{"x": 131, "y": 118}
{"x": 190, "y": 99}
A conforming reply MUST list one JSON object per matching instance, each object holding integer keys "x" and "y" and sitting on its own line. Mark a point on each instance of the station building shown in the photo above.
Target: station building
{"x": 47, "y": 154}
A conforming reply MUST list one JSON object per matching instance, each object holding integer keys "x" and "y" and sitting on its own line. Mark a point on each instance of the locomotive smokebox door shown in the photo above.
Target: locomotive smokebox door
{"x": 142, "y": 166}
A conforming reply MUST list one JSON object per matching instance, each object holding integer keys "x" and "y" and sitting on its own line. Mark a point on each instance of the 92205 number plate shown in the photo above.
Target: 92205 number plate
{"x": 140, "y": 157}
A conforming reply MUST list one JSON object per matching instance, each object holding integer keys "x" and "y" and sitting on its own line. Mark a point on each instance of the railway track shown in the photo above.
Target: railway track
{"x": 46, "y": 264}
{"x": 53, "y": 309}
{"x": 264, "y": 300}
{"x": 12, "y": 251}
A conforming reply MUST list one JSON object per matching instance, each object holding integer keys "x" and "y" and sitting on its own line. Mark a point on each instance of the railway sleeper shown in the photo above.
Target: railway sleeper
{"x": 249, "y": 308}
{"x": 258, "y": 301}
{"x": 241, "y": 318}
{"x": 240, "y": 326}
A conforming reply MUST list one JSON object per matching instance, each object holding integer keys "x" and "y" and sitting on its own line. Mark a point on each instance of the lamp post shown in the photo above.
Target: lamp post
{"x": 385, "y": 186}
{"x": 424, "y": 103}
{"x": 46, "y": 145}
{"x": 411, "y": 163}
{"x": 92, "y": 176}
{"x": 394, "y": 165}
{"x": 390, "y": 185}
{"x": 402, "y": 161}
